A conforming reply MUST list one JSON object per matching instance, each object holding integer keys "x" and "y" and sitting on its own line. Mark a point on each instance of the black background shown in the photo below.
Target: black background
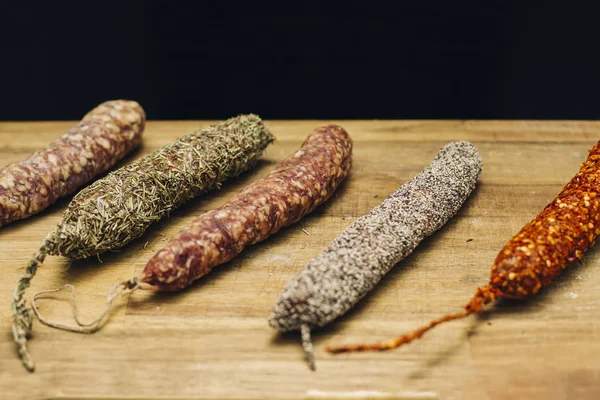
{"x": 417, "y": 59}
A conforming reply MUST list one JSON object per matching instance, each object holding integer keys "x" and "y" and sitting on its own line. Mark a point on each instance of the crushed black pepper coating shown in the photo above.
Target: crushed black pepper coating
{"x": 356, "y": 260}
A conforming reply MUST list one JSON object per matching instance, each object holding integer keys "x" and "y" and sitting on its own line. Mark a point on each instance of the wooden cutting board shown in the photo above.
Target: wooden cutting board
{"x": 212, "y": 341}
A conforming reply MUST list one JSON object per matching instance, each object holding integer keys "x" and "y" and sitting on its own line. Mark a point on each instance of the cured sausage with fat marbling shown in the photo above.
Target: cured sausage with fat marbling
{"x": 102, "y": 138}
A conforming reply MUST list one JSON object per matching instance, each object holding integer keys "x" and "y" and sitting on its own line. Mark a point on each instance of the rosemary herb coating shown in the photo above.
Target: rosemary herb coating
{"x": 95, "y": 144}
{"x": 536, "y": 255}
{"x": 120, "y": 207}
{"x": 296, "y": 187}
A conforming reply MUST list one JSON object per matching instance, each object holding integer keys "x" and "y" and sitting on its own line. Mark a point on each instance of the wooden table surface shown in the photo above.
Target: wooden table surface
{"x": 212, "y": 341}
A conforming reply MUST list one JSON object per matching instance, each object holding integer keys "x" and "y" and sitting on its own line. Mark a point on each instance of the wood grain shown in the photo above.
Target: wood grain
{"x": 213, "y": 342}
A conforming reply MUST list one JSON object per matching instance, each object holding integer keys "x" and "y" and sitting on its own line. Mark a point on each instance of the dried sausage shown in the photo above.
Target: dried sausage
{"x": 102, "y": 138}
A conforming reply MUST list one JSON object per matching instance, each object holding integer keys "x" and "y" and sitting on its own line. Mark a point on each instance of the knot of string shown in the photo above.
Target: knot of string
{"x": 82, "y": 327}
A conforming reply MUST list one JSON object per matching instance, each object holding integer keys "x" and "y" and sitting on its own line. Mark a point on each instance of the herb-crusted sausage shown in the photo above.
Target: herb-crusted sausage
{"x": 120, "y": 207}
{"x": 295, "y": 188}
{"x": 102, "y": 138}
{"x": 534, "y": 257}
{"x": 357, "y": 259}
